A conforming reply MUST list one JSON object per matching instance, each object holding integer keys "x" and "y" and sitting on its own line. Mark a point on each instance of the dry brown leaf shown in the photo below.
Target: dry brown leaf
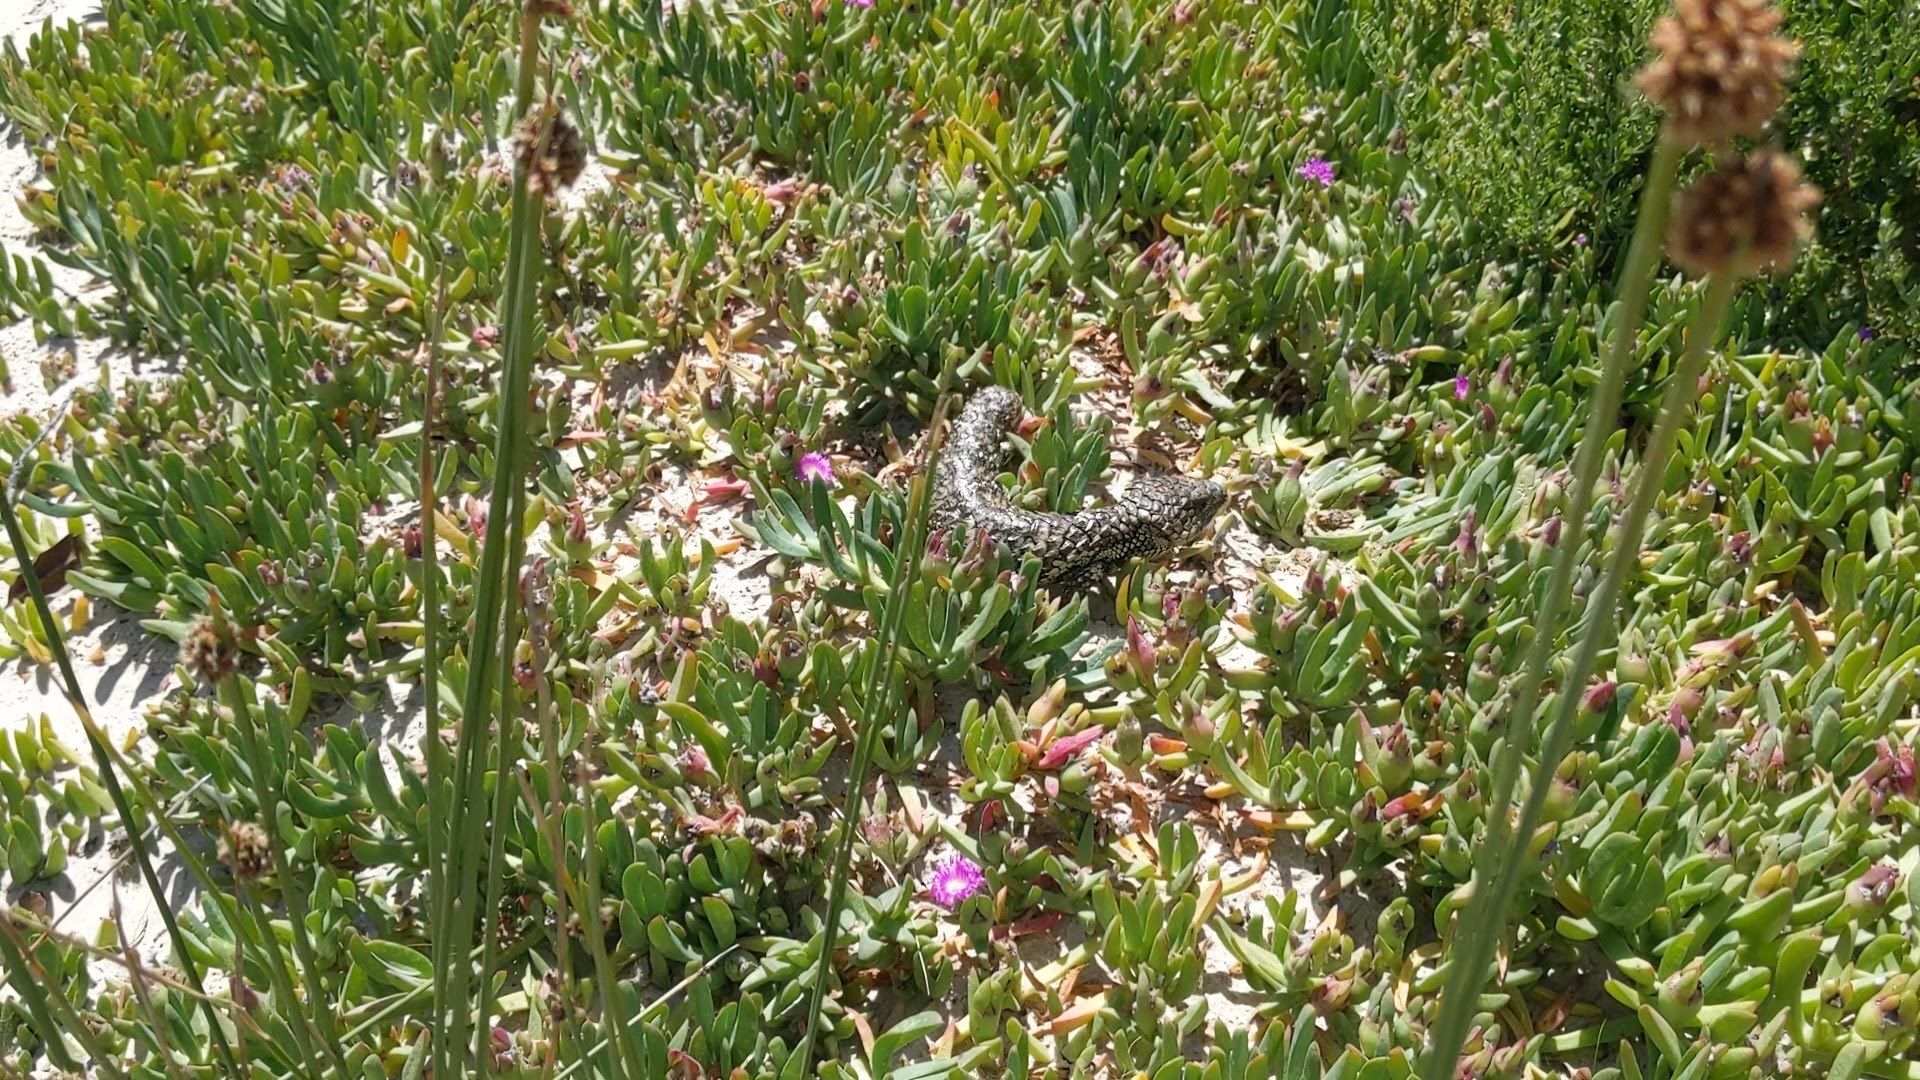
{"x": 865, "y": 1030}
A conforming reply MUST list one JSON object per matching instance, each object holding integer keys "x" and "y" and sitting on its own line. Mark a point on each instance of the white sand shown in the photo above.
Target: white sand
{"x": 119, "y": 665}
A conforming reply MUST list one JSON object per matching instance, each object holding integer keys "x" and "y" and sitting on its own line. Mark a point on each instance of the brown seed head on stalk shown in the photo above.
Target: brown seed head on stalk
{"x": 211, "y": 649}
{"x": 1747, "y": 215}
{"x": 550, "y": 9}
{"x": 551, "y": 150}
{"x": 1721, "y": 69}
{"x": 244, "y": 849}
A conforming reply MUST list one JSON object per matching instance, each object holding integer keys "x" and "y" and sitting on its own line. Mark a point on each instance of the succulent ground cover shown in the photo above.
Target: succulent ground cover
{"x": 725, "y": 766}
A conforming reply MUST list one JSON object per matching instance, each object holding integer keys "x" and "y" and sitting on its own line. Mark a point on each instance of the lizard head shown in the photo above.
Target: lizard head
{"x": 1182, "y": 507}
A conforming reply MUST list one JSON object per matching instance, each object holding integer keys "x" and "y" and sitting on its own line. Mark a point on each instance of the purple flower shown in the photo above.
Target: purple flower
{"x": 1319, "y": 170}
{"x": 815, "y": 466}
{"x": 1462, "y": 386}
{"x": 1868, "y": 333}
{"x": 955, "y": 878}
{"x": 860, "y": 3}
{"x": 1580, "y": 240}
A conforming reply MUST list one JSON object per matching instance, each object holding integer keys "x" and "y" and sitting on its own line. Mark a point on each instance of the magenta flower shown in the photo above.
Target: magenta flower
{"x": 955, "y": 878}
{"x": 1319, "y": 170}
{"x": 860, "y": 3}
{"x": 1462, "y": 386}
{"x": 815, "y": 466}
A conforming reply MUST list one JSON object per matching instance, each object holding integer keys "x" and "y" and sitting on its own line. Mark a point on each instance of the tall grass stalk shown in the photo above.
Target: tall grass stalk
{"x": 267, "y": 793}
{"x": 876, "y": 700}
{"x": 137, "y": 979}
{"x": 1503, "y": 853}
{"x": 546, "y": 820}
{"x": 550, "y": 819}
{"x": 653, "y": 1008}
{"x": 97, "y": 742}
{"x": 434, "y": 750}
{"x": 1599, "y": 630}
{"x": 237, "y": 989}
{"x": 506, "y": 745}
{"x": 279, "y": 973}
{"x": 384, "y": 1012}
{"x": 623, "y": 1060}
{"x": 239, "y": 916}
{"x": 120, "y": 955}
{"x": 139, "y": 975}
{"x": 216, "y": 894}
{"x": 468, "y": 820}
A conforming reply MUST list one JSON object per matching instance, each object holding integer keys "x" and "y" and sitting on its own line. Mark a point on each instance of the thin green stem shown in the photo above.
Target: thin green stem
{"x": 1483, "y": 923}
{"x": 433, "y": 749}
{"x": 1643, "y": 258}
{"x": 231, "y": 908}
{"x": 1600, "y": 627}
{"x": 236, "y": 915}
{"x": 103, "y": 761}
{"x": 551, "y": 824}
{"x": 137, "y": 979}
{"x": 400, "y": 1003}
{"x": 622, "y": 1058}
{"x": 456, "y": 912}
{"x": 237, "y": 982}
{"x": 876, "y": 700}
{"x": 506, "y": 746}
{"x": 653, "y": 1008}
{"x": 279, "y": 972}
{"x": 118, "y": 955}
{"x": 547, "y": 825}
{"x": 267, "y": 794}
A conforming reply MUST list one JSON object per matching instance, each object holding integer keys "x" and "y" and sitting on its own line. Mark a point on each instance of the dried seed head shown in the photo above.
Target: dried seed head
{"x": 1746, "y": 216}
{"x": 1721, "y": 70}
{"x": 551, "y": 151}
{"x": 244, "y": 849}
{"x": 550, "y": 9}
{"x": 210, "y": 650}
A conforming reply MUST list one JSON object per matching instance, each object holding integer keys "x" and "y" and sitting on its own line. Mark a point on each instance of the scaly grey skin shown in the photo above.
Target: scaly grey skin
{"x": 1159, "y": 512}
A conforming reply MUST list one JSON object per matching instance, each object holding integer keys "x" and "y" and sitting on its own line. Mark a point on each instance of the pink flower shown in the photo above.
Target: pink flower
{"x": 1319, "y": 170}
{"x": 860, "y": 3}
{"x": 815, "y": 466}
{"x": 955, "y": 878}
{"x": 1462, "y": 386}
